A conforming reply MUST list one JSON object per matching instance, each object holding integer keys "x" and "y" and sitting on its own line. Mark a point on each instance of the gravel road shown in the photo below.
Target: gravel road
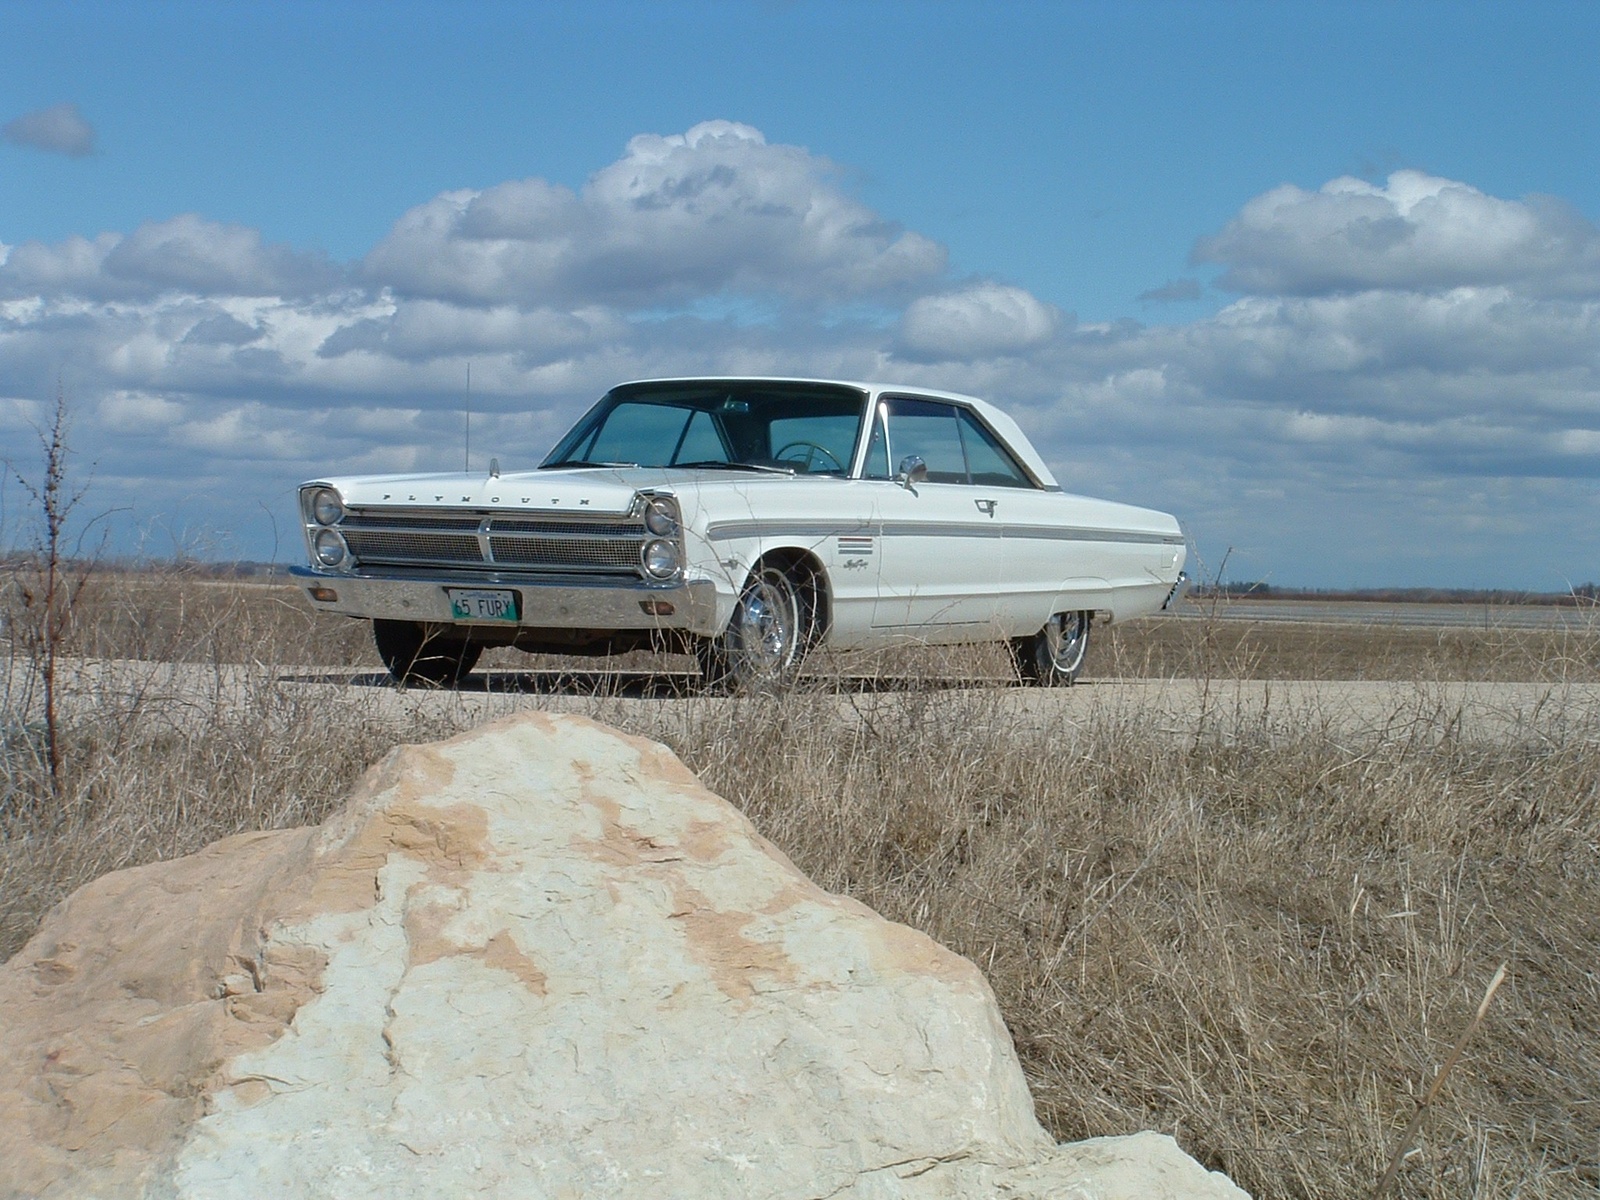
{"x": 185, "y": 693}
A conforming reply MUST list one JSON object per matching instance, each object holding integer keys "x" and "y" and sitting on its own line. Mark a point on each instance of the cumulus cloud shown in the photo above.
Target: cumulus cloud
{"x": 132, "y": 412}
{"x": 1377, "y": 401}
{"x": 1418, "y": 232}
{"x": 419, "y": 330}
{"x": 59, "y": 129}
{"x": 186, "y": 253}
{"x": 979, "y": 321}
{"x": 676, "y": 217}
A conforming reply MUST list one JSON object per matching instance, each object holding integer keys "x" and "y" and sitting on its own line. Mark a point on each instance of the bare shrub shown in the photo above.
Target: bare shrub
{"x": 44, "y": 583}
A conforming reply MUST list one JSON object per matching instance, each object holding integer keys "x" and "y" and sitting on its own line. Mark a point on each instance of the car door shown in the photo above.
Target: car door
{"x": 1041, "y": 554}
{"x": 940, "y": 570}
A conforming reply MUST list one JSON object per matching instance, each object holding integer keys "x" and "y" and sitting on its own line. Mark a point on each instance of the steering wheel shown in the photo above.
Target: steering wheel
{"x": 812, "y": 451}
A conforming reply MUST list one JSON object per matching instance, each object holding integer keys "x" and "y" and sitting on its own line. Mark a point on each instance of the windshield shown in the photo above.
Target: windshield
{"x": 804, "y": 428}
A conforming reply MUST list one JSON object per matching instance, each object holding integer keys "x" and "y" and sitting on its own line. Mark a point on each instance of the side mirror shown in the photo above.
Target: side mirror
{"x": 912, "y": 471}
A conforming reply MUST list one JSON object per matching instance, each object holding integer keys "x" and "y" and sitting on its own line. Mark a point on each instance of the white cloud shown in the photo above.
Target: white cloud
{"x": 419, "y": 330}
{"x": 979, "y": 321}
{"x": 185, "y": 254}
{"x": 1418, "y": 232}
{"x": 1391, "y": 407}
{"x": 59, "y": 129}
{"x": 133, "y": 412}
{"x": 676, "y": 218}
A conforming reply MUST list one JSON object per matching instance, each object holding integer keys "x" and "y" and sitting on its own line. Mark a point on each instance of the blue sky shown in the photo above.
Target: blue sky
{"x": 1076, "y": 210}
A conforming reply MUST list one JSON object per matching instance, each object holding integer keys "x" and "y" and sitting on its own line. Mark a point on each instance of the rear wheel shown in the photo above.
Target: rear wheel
{"x": 1054, "y": 656}
{"x": 413, "y": 657}
{"x": 767, "y": 637}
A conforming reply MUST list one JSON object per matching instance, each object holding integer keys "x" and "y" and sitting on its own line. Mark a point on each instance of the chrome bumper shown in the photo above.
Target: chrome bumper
{"x": 541, "y": 604}
{"x": 1178, "y": 589}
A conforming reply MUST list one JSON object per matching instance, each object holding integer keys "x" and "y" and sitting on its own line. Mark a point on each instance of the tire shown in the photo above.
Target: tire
{"x": 767, "y": 638}
{"x": 1054, "y": 656}
{"x": 414, "y": 658}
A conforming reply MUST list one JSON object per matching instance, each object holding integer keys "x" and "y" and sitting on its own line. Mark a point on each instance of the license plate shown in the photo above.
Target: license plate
{"x": 482, "y": 604}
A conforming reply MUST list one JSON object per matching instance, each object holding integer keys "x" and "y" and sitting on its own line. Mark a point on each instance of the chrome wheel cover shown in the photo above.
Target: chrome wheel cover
{"x": 769, "y": 618}
{"x": 1065, "y": 641}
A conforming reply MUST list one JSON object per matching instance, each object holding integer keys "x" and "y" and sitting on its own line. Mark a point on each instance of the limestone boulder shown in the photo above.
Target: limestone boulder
{"x": 537, "y": 960}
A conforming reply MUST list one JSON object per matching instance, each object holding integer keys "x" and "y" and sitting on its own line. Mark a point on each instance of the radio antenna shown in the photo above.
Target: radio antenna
{"x": 466, "y": 450}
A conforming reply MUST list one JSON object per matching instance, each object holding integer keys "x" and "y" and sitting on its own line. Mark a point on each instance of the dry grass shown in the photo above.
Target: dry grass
{"x": 1263, "y": 943}
{"x": 1243, "y": 649}
{"x": 1263, "y": 939}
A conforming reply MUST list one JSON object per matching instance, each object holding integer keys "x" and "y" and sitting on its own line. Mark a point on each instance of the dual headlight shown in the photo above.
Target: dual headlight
{"x": 661, "y": 556}
{"x": 326, "y": 507}
{"x": 323, "y": 510}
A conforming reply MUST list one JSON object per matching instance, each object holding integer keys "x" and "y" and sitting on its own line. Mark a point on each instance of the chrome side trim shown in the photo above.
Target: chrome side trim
{"x": 1063, "y": 533}
{"x": 946, "y": 529}
{"x": 725, "y": 531}
{"x": 722, "y": 531}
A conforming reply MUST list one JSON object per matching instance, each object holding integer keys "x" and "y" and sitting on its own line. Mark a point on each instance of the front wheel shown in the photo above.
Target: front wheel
{"x": 413, "y": 657}
{"x": 766, "y": 639}
{"x": 1054, "y": 656}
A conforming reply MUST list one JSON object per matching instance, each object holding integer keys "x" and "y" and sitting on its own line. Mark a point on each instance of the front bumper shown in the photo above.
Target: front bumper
{"x": 542, "y": 603}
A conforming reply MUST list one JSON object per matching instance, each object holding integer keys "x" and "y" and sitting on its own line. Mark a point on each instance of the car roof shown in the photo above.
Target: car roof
{"x": 997, "y": 419}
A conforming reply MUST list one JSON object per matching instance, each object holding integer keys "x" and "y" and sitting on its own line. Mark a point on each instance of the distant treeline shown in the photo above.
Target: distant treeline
{"x": 1583, "y": 594}
{"x": 193, "y": 567}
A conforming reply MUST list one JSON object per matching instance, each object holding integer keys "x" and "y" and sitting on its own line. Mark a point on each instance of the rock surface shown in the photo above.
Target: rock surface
{"x": 537, "y": 960}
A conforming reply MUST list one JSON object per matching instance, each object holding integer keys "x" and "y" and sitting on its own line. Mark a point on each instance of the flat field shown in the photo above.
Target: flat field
{"x": 1246, "y": 884}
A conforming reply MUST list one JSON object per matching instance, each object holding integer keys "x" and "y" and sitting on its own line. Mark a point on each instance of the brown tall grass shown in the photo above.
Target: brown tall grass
{"x": 1260, "y": 931}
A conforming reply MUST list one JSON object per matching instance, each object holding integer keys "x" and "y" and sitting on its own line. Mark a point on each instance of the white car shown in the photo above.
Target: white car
{"x": 748, "y": 521}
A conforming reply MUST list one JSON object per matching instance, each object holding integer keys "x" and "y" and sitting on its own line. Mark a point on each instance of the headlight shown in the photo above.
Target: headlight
{"x": 661, "y": 516}
{"x": 330, "y": 547}
{"x": 660, "y": 559}
{"x": 326, "y": 506}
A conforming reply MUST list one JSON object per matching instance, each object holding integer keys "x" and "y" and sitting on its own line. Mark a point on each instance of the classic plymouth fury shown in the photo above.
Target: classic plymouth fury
{"x": 747, "y": 521}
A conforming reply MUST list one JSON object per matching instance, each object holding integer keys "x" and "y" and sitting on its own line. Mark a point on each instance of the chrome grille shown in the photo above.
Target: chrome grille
{"x": 585, "y": 529}
{"x": 355, "y": 520}
{"x": 393, "y": 546}
{"x": 536, "y": 544}
{"x": 567, "y": 551}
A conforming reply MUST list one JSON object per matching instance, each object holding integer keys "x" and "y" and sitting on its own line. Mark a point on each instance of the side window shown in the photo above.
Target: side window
{"x": 989, "y": 462}
{"x": 930, "y": 431}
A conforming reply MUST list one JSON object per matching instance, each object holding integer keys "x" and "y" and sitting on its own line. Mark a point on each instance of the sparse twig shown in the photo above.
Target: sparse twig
{"x": 55, "y": 501}
{"x": 1428, "y": 1097}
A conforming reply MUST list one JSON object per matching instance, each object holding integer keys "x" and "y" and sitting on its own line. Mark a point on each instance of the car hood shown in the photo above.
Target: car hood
{"x": 608, "y": 490}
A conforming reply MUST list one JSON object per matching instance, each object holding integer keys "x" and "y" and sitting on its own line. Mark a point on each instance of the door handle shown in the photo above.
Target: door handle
{"x": 986, "y": 506}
